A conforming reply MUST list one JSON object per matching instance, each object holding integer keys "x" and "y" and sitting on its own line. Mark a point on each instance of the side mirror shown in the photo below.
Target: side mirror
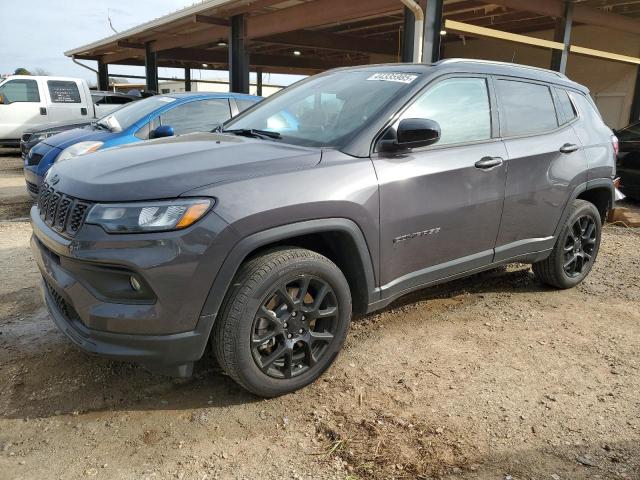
{"x": 417, "y": 132}
{"x": 162, "y": 131}
{"x": 411, "y": 133}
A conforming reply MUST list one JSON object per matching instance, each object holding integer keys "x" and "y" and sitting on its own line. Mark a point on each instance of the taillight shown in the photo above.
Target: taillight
{"x": 614, "y": 142}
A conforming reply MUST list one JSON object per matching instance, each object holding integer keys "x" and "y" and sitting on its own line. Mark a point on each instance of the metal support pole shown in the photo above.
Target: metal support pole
{"x": 151, "y": 67}
{"x": 187, "y": 79}
{"x": 635, "y": 104}
{"x": 408, "y": 32}
{"x": 259, "y": 82}
{"x": 562, "y": 34}
{"x": 432, "y": 28}
{"x": 238, "y": 56}
{"x": 103, "y": 76}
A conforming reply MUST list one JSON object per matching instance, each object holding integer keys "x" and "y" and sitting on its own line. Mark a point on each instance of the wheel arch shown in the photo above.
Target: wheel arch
{"x": 601, "y": 196}
{"x": 600, "y": 192}
{"x": 339, "y": 239}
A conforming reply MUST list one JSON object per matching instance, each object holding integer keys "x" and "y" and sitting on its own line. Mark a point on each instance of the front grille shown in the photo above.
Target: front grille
{"x": 63, "y": 213}
{"x": 33, "y": 188}
{"x": 33, "y": 158}
{"x": 64, "y": 307}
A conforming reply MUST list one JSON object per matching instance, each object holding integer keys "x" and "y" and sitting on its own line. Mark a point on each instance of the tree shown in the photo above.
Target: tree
{"x": 22, "y": 71}
{"x": 40, "y": 72}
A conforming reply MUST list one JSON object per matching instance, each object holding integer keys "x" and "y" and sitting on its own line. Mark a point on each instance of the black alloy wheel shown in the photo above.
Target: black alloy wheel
{"x": 294, "y": 326}
{"x": 579, "y": 246}
{"x": 283, "y": 321}
{"x": 576, "y": 248}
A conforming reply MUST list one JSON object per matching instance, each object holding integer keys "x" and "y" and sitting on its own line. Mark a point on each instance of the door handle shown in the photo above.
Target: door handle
{"x": 488, "y": 162}
{"x": 43, "y": 111}
{"x": 569, "y": 148}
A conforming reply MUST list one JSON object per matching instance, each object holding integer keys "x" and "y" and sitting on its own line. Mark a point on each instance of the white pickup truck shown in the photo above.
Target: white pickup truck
{"x": 28, "y": 101}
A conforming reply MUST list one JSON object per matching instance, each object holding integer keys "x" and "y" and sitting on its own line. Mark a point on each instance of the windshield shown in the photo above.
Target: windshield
{"x": 326, "y": 110}
{"x": 124, "y": 117}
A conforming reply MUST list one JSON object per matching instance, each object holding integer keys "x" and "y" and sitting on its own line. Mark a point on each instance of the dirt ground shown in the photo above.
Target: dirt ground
{"x": 492, "y": 377}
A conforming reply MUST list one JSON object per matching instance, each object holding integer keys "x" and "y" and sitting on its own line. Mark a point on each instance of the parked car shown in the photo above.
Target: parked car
{"x": 29, "y": 101}
{"x": 104, "y": 102}
{"x": 154, "y": 117}
{"x": 629, "y": 160}
{"x": 263, "y": 239}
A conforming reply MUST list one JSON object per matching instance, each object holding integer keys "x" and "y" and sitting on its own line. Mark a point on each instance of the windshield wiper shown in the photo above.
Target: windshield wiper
{"x": 101, "y": 125}
{"x": 253, "y": 132}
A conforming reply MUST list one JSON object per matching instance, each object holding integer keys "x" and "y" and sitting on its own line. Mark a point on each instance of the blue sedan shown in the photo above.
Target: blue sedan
{"x": 153, "y": 117}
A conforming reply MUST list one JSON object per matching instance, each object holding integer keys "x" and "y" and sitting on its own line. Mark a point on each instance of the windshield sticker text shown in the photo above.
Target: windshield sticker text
{"x": 394, "y": 77}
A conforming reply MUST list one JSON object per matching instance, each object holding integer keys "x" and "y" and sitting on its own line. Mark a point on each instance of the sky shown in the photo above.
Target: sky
{"x": 36, "y": 33}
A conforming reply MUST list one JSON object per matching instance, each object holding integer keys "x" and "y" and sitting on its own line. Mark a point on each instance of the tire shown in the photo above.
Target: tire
{"x": 258, "y": 322}
{"x": 579, "y": 239}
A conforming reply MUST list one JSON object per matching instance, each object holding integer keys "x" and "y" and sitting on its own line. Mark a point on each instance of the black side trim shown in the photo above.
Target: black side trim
{"x": 249, "y": 244}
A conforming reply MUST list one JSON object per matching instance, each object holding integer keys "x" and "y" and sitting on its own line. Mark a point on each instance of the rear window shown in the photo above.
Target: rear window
{"x": 63, "y": 91}
{"x": 525, "y": 108}
{"x": 566, "y": 106}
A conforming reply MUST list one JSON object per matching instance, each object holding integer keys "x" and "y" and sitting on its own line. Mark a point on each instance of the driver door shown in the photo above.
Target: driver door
{"x": 440, "y": 206}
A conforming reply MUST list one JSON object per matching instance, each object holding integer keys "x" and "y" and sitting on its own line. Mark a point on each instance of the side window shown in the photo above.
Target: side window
{"x": 98, "y": 99}
{"x": 144, "y": 131}
{"x": 244, "y": 104}
{"x": 461, "y": 107}
{"x": 20, "y": 91}
{"x": 525, "y": 108}
{"x": 566, "y": 106}
{"x": 198, "y": 116}
{"x": 63, "y": 91}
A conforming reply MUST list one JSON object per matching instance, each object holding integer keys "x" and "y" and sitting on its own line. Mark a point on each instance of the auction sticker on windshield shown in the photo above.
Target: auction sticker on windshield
{"x": 394, "y": 77}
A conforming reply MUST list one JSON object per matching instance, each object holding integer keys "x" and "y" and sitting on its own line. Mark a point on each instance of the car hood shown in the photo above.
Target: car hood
{"x": 166, "y": 168}
{"x": 67, "y": 138}
{"x": 66, "y": 125}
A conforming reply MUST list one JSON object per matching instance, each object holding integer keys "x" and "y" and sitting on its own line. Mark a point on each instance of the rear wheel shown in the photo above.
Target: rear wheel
{"x": 575, "y": 250}
{"x": 283, "y": 322}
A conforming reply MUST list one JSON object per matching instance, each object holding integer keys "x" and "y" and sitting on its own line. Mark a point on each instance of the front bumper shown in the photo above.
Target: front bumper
{"x": 167, "y": 334}
{"x": 166, "y": 354}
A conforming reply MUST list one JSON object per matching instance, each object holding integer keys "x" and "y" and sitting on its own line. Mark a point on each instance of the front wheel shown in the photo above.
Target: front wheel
{"x": 283, "y": 321}
{"x": 575, "y": 250}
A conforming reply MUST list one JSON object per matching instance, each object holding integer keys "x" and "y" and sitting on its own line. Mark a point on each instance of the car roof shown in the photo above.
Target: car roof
{"x": 182, "y": 95}
{"x": 465, "y": 65}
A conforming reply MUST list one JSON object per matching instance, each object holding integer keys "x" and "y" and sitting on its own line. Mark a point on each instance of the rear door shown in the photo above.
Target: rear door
{"x": 440, "y": 205}
{"x": 545, "y": 163}
{"x": 22, "y": 106}
{"x": 68, "y": 100}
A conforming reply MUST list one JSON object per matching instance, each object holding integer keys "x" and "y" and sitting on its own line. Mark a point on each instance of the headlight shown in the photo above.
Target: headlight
{"x": 38, "y": 137}
{"x": 78, "y": 149}
{"x": 148, "y": 216}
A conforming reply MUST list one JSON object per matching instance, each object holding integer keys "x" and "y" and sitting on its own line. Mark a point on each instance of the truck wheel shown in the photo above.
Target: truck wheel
{"x": 283, "y": 321}
{"x": 575, "y": 250}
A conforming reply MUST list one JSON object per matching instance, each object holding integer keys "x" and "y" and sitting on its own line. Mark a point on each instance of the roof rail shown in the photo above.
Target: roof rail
{"x": 491, "y": 62}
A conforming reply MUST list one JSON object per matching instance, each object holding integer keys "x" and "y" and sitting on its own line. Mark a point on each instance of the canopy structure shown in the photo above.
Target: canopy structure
{"x": 309, "y": 36}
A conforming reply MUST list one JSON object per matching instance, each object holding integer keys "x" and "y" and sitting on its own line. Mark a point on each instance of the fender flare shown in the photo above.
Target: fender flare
{"x": 583, "y": 187}
{"x": 247, "y": 245}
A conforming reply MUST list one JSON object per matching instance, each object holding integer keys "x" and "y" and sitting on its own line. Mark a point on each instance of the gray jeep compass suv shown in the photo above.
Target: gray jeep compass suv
{"x": 337, "y": 195}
